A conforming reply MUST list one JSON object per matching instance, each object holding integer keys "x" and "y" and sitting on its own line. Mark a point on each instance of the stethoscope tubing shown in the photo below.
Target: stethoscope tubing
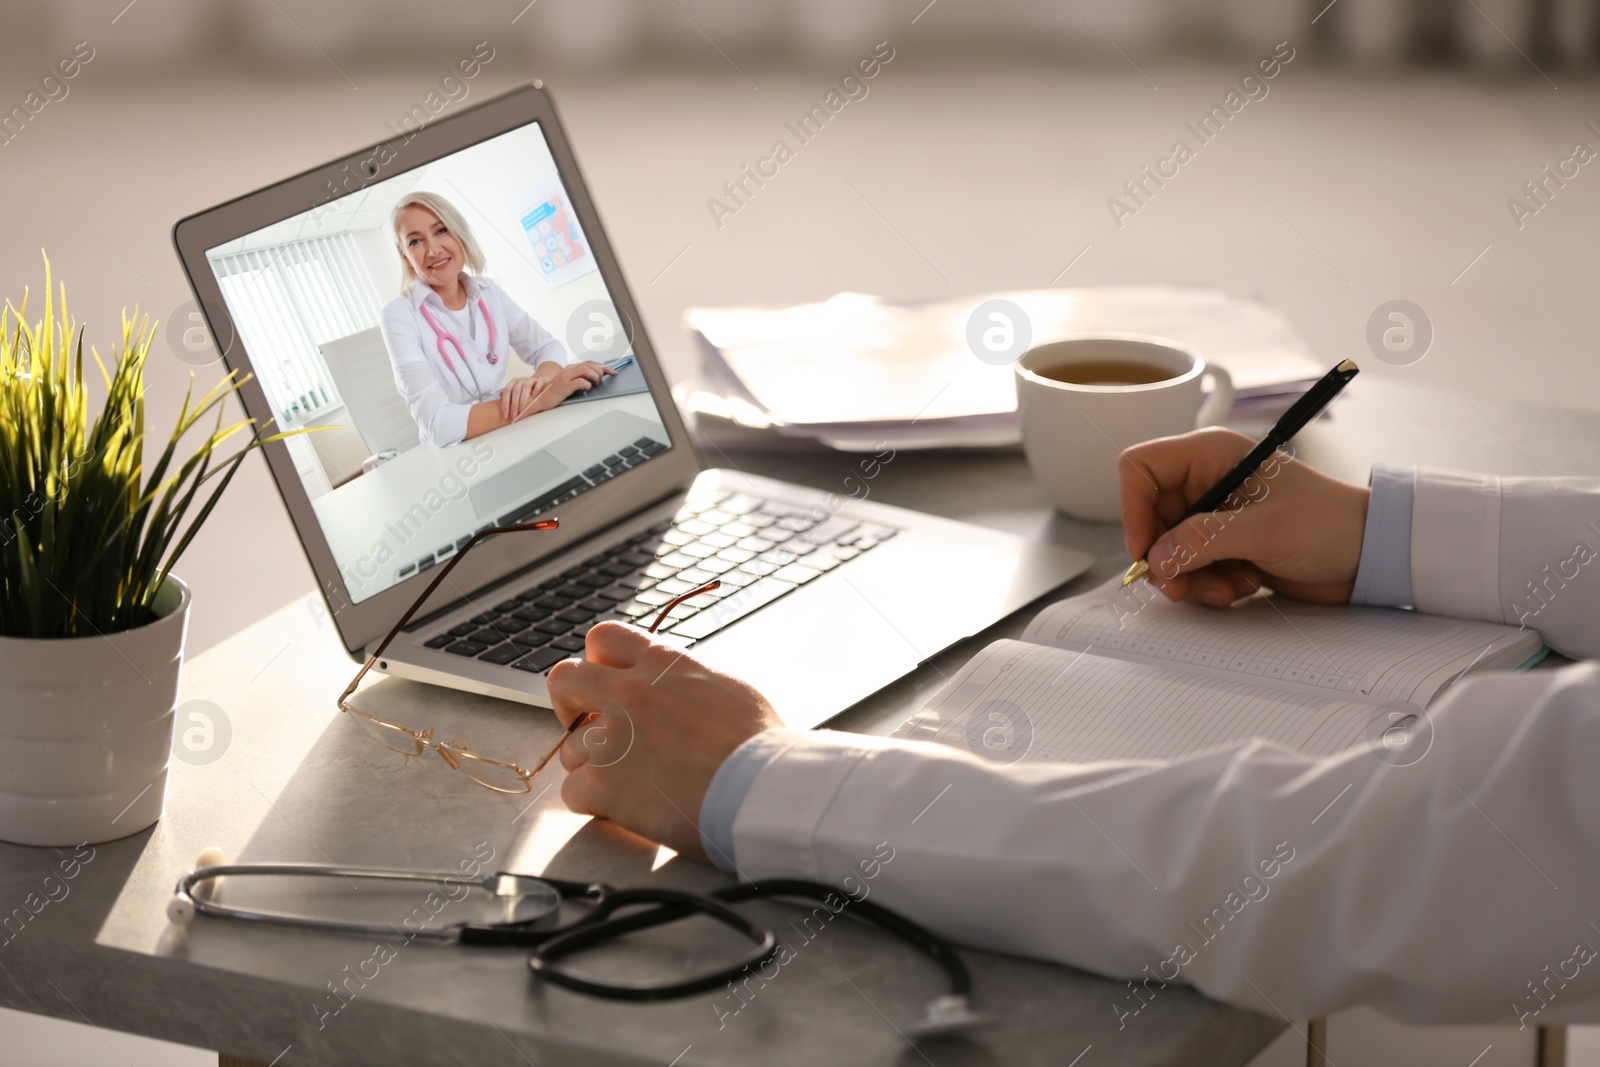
{"x": 916, "y": 935}
{"x": 559, "y": 890}
{"x": 204, "y": 905}
{"x": 443, "y": 336}
{"x": 601, "y": 926}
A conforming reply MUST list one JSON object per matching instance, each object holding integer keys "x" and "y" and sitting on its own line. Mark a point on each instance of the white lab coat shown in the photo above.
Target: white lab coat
{"x": 1462, "y": 888}
{"x": 438, "y": 396}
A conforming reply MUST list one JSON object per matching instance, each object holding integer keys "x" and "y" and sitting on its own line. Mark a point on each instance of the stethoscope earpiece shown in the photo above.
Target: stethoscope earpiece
{"x": 181, "y": 908}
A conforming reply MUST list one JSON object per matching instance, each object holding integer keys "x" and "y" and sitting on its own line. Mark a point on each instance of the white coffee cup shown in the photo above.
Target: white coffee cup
{"x": 1073, "y": 432}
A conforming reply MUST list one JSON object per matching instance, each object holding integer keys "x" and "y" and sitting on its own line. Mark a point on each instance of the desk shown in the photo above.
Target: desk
{"x": 420, "y": 501}
{"x": 297, "y": 783}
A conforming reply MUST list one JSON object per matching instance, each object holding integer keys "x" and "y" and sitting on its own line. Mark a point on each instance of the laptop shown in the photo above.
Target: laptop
{"x": 826, "y": 595}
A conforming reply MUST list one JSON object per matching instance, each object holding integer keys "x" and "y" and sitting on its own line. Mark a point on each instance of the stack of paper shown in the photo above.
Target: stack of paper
{"x": 853, "y": 372}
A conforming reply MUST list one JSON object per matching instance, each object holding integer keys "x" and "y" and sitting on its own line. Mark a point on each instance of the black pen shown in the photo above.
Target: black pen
{"x": 1293, "y": 421}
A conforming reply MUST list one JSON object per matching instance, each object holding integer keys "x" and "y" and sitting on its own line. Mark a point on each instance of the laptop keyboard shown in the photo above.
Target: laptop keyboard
{"x": 759, "y": 549}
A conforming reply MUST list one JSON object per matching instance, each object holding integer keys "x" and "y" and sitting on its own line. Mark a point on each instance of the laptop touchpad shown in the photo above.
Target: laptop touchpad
{"x": 589, "y": 443}
{"x": 497, "y": 493}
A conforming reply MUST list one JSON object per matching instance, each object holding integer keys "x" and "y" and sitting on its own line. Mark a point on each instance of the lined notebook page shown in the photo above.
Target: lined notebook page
{"x": 1015, "y": 701}
{"x": 1383, "y": 653}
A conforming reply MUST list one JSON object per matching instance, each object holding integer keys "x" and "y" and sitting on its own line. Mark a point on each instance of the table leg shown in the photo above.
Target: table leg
{"x": 1552, "y": 1046}
{"x": 1317, "y": 1043}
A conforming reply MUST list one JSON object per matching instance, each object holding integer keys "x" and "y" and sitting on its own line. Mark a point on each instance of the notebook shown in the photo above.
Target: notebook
{"x": 1125, "y": 674}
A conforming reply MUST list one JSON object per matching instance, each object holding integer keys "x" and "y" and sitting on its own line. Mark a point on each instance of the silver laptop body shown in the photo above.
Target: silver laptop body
{"x": 827, "y": 596}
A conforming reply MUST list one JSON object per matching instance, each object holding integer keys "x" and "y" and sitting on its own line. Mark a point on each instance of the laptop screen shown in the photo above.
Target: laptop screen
{"x": 447, "y": 340}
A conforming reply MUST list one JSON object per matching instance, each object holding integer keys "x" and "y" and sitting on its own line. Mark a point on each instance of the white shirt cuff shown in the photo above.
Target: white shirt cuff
{"x": 1383, "y": 577}
{"x": 728, "y": 788}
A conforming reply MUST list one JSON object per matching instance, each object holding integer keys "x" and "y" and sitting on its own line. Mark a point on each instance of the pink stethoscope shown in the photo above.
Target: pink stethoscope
{"x": 444, "y": 336}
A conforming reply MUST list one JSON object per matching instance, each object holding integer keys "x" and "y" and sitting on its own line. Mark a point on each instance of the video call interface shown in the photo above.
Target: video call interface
{"x": 447, "y": 341}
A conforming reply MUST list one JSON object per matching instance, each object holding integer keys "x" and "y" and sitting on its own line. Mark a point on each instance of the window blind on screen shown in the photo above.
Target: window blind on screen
{"x": 286, "y": 301}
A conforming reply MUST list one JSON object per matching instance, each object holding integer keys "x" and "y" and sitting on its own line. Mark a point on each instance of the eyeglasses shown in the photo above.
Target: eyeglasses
{"x": 502, "y": 776}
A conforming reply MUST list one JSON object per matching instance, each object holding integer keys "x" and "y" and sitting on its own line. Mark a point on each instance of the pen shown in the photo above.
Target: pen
{"x": 1293, "y": 421}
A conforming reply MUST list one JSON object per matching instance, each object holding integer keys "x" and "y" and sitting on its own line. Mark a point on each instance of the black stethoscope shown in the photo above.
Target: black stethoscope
{"x": 527, "y": 907}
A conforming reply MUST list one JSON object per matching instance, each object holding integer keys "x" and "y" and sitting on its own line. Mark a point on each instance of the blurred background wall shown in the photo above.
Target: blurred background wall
{"x": 611, "y": 34}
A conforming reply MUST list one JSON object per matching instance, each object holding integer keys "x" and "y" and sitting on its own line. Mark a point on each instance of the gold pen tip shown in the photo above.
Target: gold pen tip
{"x": 1139, "y": 569}
{"x": 1347, "y": 365}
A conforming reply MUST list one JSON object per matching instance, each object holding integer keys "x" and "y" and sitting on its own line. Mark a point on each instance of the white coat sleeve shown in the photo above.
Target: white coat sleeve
{"x": 1521, "y": 551}
{"x": 440, "y": 421}
{"x": 1459, "y": 887}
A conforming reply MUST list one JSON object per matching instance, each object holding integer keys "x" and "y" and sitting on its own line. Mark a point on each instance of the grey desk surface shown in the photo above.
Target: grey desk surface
{"x": 296, "y": 783}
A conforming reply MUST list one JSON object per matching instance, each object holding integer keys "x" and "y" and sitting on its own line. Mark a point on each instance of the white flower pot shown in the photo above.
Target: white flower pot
{"x": 86, "y": 728}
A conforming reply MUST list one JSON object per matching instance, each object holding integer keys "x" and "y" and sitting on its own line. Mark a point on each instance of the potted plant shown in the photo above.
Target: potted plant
{"x": 92, "y": 620}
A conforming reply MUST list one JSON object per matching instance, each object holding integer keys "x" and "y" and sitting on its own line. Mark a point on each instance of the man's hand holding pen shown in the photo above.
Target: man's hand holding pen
{"x": 1298, "y": 531}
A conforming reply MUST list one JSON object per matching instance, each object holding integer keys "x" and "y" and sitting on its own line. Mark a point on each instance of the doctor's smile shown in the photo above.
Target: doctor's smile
{"x": 436, "y": 272}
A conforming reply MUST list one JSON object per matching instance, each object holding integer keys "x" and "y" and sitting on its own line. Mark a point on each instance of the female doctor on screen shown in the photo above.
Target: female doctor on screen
{"x": 1460, "y": 883}
{"x": 451, "y": 333}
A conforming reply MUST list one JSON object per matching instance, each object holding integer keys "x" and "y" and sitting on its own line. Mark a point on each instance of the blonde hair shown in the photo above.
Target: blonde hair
{"x": 447, "y": 214}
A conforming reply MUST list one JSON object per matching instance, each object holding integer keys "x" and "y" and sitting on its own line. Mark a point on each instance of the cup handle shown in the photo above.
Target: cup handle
{"x": 1217, "y": 405}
